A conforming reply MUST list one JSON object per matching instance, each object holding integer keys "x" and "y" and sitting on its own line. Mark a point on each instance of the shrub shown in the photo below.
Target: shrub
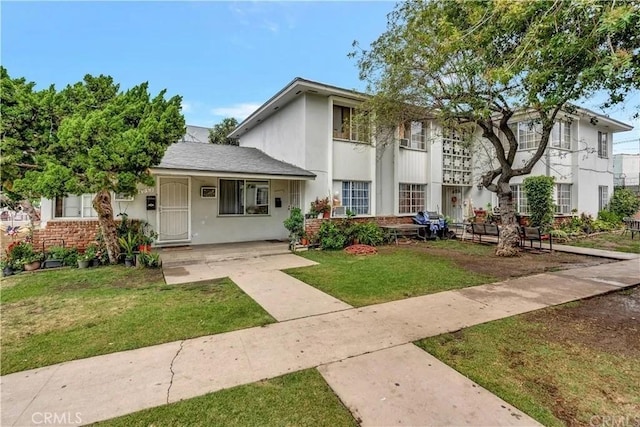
{"x": 149, "y": 259}
{"x": 368, "y": 233}
{"x": 68, "y": 256}
{"x": 624, "y": 203}
{"x": 539, "y": 191}
{"x": 331, "y": 236}
{"x": 295, "y": 224}
{"x": 559, "y": 234}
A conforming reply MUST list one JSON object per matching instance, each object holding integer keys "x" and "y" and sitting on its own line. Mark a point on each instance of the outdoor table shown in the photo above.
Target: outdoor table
{"x": 405, "y": 230}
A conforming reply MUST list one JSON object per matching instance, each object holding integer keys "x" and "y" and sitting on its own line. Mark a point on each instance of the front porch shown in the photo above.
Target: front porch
{"x": 201, "y": 254}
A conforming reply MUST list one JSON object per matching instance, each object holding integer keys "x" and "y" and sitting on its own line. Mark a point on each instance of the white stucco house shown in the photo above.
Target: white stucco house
{"x": 301, "y": 144}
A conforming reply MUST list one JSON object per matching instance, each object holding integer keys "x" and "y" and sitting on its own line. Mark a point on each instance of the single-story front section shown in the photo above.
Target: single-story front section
{"x": 204, "y": 193}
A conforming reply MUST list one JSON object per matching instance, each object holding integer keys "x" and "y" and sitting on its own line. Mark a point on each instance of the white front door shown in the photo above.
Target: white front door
{"x": 174, "y": 209}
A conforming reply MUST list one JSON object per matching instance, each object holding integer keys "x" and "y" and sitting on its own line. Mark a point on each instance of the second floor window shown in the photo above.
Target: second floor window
{"x": 349, "y": 126}
{"x": 603, "y": 145}
{"x": 413, "y": 135}
{"x": 561, "y": 135}
{"x": 527, "y": 134}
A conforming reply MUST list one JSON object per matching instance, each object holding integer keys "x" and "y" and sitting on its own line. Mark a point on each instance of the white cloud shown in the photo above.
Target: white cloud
{"x": 239, "y": 111}
{"x": 186, "y": 107}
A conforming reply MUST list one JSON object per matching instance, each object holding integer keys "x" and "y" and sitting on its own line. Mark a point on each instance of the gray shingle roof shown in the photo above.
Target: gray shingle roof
{"x": 228, "y": 159}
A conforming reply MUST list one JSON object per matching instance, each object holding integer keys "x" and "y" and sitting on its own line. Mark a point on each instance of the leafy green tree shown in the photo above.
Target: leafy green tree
{"x": 89, "y": 137}
{"x": 218, "y": 134}
{"x": 624, "y": 203}
{"x": 474, "y": 64}
{"x": 539, "y": 191}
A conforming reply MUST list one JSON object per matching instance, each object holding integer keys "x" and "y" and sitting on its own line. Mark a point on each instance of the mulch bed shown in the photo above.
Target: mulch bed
{"x": 361, "y": 250}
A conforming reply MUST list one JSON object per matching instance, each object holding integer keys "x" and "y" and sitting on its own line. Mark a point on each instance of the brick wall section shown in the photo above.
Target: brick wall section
{"x": 76, "y": 234}
{"x": 313, "y": 225}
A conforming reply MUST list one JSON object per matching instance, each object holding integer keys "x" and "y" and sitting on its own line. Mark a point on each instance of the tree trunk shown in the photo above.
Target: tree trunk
{"x": 102, "y": 205}
{"x": 509, "y": 237}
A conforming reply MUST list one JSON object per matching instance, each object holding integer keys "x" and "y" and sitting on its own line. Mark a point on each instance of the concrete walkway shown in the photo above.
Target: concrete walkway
{"x": 115, "y": 384}
{"x": 406, "y": 386}
{"x": 281, "y": 295}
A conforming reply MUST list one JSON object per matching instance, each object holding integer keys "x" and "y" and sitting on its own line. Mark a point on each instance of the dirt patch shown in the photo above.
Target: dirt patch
{"x": 526, "y": 264}
{"x": 610, "y": 323}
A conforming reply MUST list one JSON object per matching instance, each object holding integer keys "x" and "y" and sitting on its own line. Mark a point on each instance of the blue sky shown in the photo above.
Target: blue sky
{"x": 223, "y": 58}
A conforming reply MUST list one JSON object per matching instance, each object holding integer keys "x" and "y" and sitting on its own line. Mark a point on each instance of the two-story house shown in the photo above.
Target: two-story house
{"x": 302, "y": 144}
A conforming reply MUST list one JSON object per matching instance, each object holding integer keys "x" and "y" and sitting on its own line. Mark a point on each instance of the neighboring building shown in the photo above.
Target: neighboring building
{"x": 626, "y": 171}
{"x": 302, "y": 144}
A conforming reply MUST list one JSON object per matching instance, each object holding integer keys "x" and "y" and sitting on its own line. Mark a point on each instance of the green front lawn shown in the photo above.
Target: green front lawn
{"x": 55, "y": 316}
{"x": 299, "y": 399}
{"x": 394, "y": 273}
{"x": 613, "y": 241}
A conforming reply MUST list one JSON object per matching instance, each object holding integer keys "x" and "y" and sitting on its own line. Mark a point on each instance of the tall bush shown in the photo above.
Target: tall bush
{"x": 624, "y": 203}
{"x": 295, "y": 224}
{"x": 539, "y": 191}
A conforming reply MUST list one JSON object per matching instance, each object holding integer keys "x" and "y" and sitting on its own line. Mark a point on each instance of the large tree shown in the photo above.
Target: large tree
{"x": 89, "y": 137}
{"x": 218, "y": 134}
{"x": 477, "y": 63}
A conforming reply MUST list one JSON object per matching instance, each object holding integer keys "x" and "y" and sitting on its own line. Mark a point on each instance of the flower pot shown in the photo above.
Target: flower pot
{"x": 32, "y": 266}
{"x": 82, "y": 263}
{"x": 144, "y": 248}
{"x": 7, "y": 271}
{"x": 326, "y": 214}
{"x": 95, "y": 262}
{"x": 52, "y": 263}
{"x": 304, "y": 241}
{"x": 128, "y": 262}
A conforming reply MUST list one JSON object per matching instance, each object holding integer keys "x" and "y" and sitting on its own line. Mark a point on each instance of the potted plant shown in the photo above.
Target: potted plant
{"x": 128, "y": 244}
{"x": 321, "y": 207}
{"x": 90, "y": 254}
{"x": 32, "y": 261}
{"x": 146, "y": 237}
{"x": 84, "y": 260}
{"x": 295, "y": 225}
{"x": 7, "y": 269}
{"x": 55, "y": 257}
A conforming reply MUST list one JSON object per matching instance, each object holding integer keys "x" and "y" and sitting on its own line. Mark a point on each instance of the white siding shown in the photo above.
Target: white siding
{"x": 352, "y": 161}
{"x": 413, "y": 166}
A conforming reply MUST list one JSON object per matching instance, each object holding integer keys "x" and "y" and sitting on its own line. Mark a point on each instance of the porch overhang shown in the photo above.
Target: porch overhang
{"x": 226, "y": 174}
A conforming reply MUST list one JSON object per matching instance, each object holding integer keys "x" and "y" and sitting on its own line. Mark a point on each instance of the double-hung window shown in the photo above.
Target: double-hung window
{"x": 527, "y": 134}
{"x": 411, "y": 198}
{"x": 75, "y": 207}
{"x": 243, "y": 197}
{"x": 563, "y": 198}
{"x": 355, "y": 196}
{"x": 561, "y": 135}
{"x": 413, "y": 135}
{"x": 348, "y": 125}
{"x": 603, "y": 145}
{"x": 520, "y": 199}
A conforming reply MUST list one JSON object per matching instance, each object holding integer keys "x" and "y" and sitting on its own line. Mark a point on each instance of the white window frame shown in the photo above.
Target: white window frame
{"x": 603, "y": 197}
{"x": 353, "y": 133}
{"x": 603, "y": 145}
{"x": 259, "y": 185}
{"x": 563, "y": 199}
{"x": 86, "y": 203}
{"x": 561, "y": 135}
{"x": 415, "y": 134}
{"x": 350, "y": 195}
{"x": 415, "y": 194}
{"x": 527, "y": 133}
{"x": 520, "y": 199}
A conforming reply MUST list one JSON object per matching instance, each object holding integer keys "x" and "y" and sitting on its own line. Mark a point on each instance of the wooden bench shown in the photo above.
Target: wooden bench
{"x": 483, "y": 229}
{"x": 631, "y": 225}
{"x": 534, "y": 234}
